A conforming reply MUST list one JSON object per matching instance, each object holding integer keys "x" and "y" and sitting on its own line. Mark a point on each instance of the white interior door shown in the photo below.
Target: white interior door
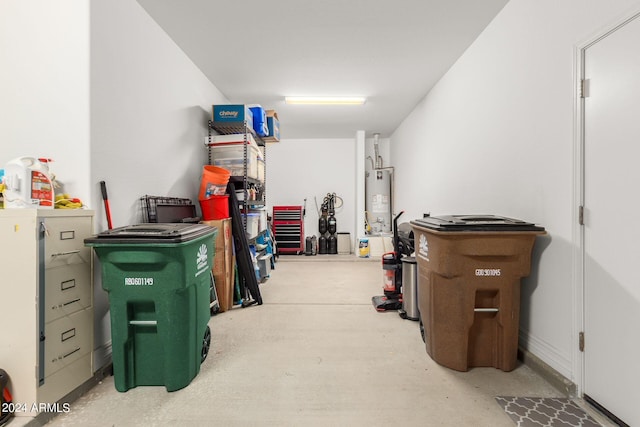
{"x": 612, "y": 222}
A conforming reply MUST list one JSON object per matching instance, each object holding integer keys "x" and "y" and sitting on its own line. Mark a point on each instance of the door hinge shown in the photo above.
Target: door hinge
{"x": 581, "y": 341}
{"x": 581, "y": 215}
{"x": 584, "y": 88}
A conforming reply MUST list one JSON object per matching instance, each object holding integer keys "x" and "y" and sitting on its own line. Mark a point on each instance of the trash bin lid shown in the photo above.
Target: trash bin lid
{"x": 475, "y": 223}
{"x": 153, "y": 233}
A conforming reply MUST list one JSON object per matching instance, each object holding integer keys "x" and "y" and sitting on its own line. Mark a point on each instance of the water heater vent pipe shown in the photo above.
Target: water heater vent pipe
{"x": 378, "y": 158}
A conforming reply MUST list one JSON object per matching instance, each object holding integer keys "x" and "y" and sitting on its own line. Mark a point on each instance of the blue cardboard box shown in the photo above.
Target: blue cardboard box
{"x": 233, "y": 113}
{"x": 274, "y": 126}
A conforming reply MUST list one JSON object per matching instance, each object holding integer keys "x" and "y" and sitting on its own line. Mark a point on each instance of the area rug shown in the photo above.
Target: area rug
{"x": 545, "y": 412}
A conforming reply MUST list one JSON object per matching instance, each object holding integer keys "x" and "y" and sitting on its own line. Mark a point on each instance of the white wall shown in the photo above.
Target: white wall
{"x": 308, "y": 168}
{"x": 149, "y": 110}
{"x": 321, "y": 166}
{"x": 101, "y": 89}
{"x": 133, "y": 112}
{"x": 496, "y": 135}
{"x": 44, "y": 87}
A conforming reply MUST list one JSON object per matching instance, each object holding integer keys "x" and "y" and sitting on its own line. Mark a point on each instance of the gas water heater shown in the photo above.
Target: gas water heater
{"x": 378, "y": 204}
{"x": 378, "y": 188}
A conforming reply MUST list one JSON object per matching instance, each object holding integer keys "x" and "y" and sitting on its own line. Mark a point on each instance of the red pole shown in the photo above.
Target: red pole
{"x": 103, "y": 188}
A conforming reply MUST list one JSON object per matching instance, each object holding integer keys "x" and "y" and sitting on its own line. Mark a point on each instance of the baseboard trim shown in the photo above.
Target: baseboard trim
{"x": 552, "y": 376}
{"x": 44, "y": 417}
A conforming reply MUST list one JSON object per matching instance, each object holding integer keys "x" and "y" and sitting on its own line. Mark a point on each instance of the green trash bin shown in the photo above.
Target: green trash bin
{"x": 157, "y": 277}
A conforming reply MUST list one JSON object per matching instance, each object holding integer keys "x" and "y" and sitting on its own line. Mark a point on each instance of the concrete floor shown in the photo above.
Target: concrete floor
{"x": 316, "y": 353}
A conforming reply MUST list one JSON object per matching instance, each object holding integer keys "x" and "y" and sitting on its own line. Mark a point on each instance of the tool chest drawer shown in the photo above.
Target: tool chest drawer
{"x": 287, "y": 213}
{"x": 288, "y": 228}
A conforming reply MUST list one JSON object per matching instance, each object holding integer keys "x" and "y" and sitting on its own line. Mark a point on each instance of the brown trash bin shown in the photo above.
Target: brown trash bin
{"x": 469, "y": 271}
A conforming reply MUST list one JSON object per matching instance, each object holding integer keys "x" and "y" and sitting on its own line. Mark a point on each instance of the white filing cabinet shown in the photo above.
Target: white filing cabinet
{"x": 46, "y": 303}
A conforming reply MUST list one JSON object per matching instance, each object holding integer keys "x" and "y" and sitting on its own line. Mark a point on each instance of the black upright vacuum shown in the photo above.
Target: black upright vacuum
{"x": 392, "y": 274}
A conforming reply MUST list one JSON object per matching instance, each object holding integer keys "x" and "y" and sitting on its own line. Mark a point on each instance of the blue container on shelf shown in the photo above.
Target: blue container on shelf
{"x": 259, "y": 120}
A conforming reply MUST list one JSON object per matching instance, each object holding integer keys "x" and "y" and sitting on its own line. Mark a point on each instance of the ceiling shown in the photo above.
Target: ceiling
{"x": 392, "y": 52}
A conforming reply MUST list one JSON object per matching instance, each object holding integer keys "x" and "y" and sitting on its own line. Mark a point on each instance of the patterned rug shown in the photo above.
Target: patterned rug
{"x": 545, "y": 412}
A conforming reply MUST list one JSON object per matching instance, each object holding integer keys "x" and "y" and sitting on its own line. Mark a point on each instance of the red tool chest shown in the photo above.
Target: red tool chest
{"x": 288, "y": 229}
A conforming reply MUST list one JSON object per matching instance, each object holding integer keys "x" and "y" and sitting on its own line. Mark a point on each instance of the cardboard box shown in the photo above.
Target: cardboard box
{"x": 233, "y": 113}
{"x": 223, "y": 264}
{"x": 274, "y": 126}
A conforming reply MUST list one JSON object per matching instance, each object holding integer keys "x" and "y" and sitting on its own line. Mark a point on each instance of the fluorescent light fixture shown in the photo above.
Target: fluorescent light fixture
{"x": 325, "y": 100}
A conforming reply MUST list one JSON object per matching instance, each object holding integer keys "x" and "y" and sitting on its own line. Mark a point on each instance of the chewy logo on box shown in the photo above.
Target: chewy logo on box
{"x": 233, "y": 113}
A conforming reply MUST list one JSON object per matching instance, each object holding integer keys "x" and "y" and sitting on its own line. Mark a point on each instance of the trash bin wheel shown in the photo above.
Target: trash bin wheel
{"x": 206, "y": 344}
{"x": 422, "y": 330}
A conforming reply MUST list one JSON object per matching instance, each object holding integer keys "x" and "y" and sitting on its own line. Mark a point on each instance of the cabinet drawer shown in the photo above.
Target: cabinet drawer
{"x": 64, "y": 241}
{"x": 67, "y": 340}
{"x": 67, "y": 290}
{"x": 64, "y": 381}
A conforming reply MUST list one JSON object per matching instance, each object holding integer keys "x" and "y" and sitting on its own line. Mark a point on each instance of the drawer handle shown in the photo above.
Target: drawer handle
{"x": 65, "y": 304}
{"x": 485, "y": 310}
{"x": 65, "y": 253}
{"x": 143, "y": 322}
{"x": 71, "y": 352}
{"x": 66, "y": 355}
{"x": 67, "y": 335}
{"x": 67, "y": 235}
{"x": 68, "y": 284}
